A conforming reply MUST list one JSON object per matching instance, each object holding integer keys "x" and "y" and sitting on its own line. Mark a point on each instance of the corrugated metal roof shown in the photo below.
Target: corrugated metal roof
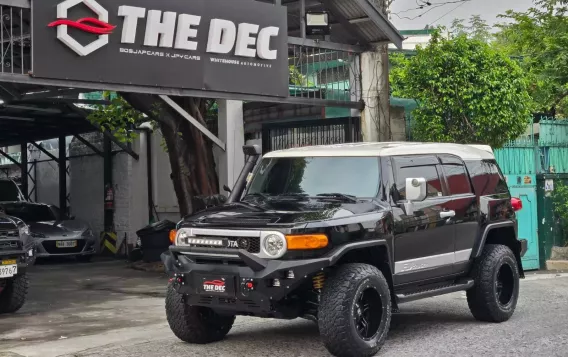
{"x": 365, "y": 18}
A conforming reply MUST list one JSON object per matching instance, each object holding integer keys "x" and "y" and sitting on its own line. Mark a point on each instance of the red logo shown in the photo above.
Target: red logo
{"x": 103, "y": 28}
{"x": 215, "y": 286}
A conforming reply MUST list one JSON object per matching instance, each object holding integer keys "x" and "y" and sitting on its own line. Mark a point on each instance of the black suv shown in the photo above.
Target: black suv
{"x": 17, "y": 252}
{"x": 343, "y": 235}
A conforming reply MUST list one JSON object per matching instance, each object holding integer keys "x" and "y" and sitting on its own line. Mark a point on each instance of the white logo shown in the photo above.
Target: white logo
{"x": 63, "y": 24}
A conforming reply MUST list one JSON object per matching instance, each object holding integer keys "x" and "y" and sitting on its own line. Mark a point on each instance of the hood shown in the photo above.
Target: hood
{"x": 58, "y": 227}
{"x": 281, "y": 212}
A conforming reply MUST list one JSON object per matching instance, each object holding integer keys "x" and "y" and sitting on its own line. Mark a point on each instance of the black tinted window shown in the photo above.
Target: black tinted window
{"x": 357, "y": 176}
{"x": 9, "y": 191}
{"x": 430, "y": 173}
{"x": 30, "y": 213}
{"x": 486, "y": 177}
{"x": 457, "y": 179}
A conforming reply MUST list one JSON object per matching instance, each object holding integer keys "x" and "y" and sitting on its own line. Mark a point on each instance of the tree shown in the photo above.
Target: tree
{"x": 468, "y": 92}
{"x": 539, "y": 39}
{"x": 478, "y": 29}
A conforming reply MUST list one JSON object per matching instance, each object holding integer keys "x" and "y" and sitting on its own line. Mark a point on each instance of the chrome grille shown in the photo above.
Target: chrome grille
{"x": 9, "y": 234}
{"x": 9, "y": 245}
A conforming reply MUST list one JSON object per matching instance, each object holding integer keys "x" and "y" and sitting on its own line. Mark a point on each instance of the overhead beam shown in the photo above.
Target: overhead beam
{"x": 193, "y": 121}
{"x": 42, "y": 149}
{"x": 325, "y": 45}
{"x": 10, "y": 158}
{"x": 26, "y": 4}
{"x": 52, "y": 93}
{"x": 89, "y": 145}
{"x": 95, "y": 86}
{"x": 352, "y": 29}
{"x": 106, "y": 133}
{"x": 381, "y": 21}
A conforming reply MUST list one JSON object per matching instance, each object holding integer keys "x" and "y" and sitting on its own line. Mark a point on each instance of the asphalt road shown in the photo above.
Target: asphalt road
{"x": 106, "y": 309}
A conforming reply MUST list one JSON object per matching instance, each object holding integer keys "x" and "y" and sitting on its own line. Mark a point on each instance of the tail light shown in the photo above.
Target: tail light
{"x": 517, "y": 204}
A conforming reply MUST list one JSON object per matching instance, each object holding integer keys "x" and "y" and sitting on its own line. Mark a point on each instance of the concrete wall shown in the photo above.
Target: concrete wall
{"x": 398, "y": 123}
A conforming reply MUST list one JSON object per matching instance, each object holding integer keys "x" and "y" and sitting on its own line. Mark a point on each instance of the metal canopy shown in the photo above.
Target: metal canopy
{"x": 355, "y": 22}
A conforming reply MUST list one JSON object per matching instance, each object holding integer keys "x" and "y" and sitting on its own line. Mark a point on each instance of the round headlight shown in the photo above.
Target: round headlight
{"x": 274, "y": 244}
{"x": 24, "y": 230}
{"x": 181, "y": 238}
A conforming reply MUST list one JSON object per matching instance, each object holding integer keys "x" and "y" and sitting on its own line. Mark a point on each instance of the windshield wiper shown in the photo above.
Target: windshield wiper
{"x": 257, "y": 194}
{"x": 335, "y": 195}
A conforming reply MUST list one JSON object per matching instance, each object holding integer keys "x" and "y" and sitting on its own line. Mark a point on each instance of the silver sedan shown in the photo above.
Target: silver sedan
{"x": 53, "y": 232}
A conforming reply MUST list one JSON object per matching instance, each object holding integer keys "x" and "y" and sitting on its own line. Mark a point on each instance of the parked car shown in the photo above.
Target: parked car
{"x": 55, "y": 234}
{"x": 343, "y": 235}
{"x": 16, "y": 254}
{"x": 10, "y": 192}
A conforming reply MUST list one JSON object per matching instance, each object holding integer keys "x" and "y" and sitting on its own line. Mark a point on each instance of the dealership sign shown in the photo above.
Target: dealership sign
{"x": 237, "y": 46}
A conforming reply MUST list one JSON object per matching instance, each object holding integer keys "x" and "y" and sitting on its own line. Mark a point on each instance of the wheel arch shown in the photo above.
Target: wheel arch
{"x": 377, "y": 255}
{"x": 503, "y": 233}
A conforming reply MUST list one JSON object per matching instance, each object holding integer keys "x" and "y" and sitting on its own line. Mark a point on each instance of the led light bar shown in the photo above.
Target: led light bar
{"x": 201, "y": 241}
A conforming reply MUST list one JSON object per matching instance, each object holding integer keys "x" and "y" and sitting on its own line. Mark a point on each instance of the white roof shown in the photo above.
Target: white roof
{"x": 466, "y": 152}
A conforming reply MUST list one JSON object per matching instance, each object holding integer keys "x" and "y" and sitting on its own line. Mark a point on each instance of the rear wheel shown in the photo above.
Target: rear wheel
{"x": 496, "y": 291}
{"x": 195, "y": 324}
{"x": 13, "y": 295}
{"x": 355, "y": 311}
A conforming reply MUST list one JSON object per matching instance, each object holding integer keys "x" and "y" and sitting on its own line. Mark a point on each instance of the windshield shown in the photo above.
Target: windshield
{"x": 312, "y": 176}
{"x": 9, "y": 191}
{"x": 30, "y": 213}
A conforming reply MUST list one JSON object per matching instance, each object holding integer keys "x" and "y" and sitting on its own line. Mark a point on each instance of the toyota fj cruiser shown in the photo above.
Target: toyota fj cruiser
{"x": 342, "y": 235}
{"x": 16, "y": 253}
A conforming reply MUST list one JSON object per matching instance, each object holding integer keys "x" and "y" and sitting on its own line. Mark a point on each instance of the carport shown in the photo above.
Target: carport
{"x": 40, "y": 92}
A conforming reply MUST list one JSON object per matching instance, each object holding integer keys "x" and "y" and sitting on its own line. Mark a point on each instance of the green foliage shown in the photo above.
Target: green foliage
{"x": 468, "y": 92}
{"x": 119, "y": 118}
{"x": 478, "y": 29}
{"x": 560, "y": 206}
{"x": 539, "y": 39}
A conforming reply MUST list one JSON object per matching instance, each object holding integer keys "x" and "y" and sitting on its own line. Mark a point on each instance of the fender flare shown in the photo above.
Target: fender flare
{"x": 478, "y": 248}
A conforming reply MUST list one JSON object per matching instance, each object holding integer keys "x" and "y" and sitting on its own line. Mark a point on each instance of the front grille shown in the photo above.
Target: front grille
{"x": 253, "y": 243}
{"x": 9, "y": 234}
{"x": 51, "y": 248}
{"x": 9, "y": 245}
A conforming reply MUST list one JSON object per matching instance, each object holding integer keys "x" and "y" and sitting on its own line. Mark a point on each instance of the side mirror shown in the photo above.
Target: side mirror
{"x": 252, "y": 150}
{"x": 226, "y": 188}
{"x": 416, "y": 189}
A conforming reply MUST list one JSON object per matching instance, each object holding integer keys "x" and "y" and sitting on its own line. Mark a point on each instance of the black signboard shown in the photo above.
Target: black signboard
{"x": 237, "y": 46}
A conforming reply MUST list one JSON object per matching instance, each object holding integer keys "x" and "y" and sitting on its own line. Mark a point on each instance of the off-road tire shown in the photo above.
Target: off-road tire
{"x": 483, "y": 298}
{"x": 13, "y": 296}
{"x": 337, "y": 310}
{"x": 195, "y": 324}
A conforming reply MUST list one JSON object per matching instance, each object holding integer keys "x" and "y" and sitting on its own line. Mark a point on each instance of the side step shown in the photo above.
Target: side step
{"x": 461, "y": 286}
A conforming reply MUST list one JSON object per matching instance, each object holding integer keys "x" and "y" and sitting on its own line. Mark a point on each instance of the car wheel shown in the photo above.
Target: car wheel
{"x": 494, "y": 296}
{"x": 355, "y": 311}
{"x": 195, "y": 324}
{"x": 13, "y": 295}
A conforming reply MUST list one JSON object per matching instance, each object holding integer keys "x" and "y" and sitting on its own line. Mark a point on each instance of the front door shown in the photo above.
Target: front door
{"x": 424, "y": 238}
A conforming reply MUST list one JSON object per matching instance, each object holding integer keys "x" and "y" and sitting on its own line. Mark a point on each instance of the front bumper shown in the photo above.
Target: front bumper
{"x": 264, "y": 298}
{"x": 47, "y": 247}
{"x": 21, "y": 256}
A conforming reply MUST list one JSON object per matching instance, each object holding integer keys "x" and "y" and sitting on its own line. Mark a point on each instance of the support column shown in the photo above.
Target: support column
{"x": 232, "y": 133}
{"x": 62, "y": 175}
{"x": 107, "y": 175}
{"x": 375, "y": 118}
{"x": 24, "y": 169}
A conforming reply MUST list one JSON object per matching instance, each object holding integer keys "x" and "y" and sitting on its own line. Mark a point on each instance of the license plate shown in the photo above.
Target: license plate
{"x": 216, "y": 285}
{"x": 66, "y": 243}
{"x": 8, "y": 271}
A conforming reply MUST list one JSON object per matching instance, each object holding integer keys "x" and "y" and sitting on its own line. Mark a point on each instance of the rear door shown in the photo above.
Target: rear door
{"x": 465, "y": 207}
{"x": 424, "y": 239}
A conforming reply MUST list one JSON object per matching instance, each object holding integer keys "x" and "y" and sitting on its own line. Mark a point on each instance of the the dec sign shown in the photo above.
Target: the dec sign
{"x": 224, "y": 35}
{"x": 235, "y": 46}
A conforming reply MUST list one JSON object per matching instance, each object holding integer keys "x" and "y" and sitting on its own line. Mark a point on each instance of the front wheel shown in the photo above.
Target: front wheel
{"x": 13, "y": 295}
{"x": 355, "y": 311}
{"x": 195, "y": 324}
{"x": 496, "y": 291}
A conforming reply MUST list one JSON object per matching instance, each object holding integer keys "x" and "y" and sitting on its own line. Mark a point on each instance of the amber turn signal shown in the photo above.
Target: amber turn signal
{"x": 173, "y": 234}
{"x": 306, "y": 241}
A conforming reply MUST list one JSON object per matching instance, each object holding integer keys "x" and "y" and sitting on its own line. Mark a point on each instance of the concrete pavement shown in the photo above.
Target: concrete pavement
{"x": 106, "y": 309}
